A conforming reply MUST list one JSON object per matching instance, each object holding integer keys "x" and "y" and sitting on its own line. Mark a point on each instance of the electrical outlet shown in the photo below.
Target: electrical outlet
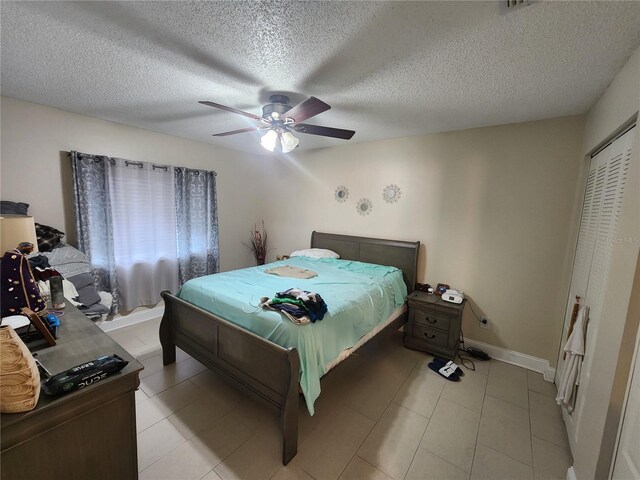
{"x": 484, "y": 322}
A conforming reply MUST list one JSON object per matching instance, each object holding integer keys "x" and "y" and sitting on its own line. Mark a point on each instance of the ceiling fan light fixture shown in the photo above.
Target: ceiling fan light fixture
{"x": 289, "y": 142}
{"x": 280, "y": 119}
{"x": 269, "y": 140}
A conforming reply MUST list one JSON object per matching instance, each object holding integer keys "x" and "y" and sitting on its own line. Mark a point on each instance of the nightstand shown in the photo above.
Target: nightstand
{"x": 434, "y": 325}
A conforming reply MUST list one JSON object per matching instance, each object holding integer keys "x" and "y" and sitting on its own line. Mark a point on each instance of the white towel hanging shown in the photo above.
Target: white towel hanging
{"x": 575, "y": 352}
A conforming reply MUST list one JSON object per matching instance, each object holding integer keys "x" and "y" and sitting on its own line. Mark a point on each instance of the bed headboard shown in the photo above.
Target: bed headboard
{"x": 395, "y": 253}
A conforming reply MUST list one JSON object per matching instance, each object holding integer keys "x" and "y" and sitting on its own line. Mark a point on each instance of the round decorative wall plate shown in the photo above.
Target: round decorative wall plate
{"x": 341, "y": 193}
{"x": 391, "y": 193}
{"x": 364, "y": 206}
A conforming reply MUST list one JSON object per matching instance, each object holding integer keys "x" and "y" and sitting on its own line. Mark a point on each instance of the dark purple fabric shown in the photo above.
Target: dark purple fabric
{"x": 18, "y": 288}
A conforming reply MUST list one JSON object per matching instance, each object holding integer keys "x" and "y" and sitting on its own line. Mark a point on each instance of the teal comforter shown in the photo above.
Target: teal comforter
{"x": 359, "y": 297}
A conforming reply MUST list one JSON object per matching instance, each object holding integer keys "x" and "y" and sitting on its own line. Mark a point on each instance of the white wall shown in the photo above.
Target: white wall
{"x": 618, "y": 103}
{"x": 34, "y": 168}
{"x": 592, "y": 451}
{"x": 494, "y": 208}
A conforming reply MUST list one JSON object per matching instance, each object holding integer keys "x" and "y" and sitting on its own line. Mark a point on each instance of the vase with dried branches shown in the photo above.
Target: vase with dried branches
{"x": 258, "y": 244}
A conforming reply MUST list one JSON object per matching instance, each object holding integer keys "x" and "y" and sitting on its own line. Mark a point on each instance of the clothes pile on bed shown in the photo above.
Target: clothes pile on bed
{"x": 299, "y": 306}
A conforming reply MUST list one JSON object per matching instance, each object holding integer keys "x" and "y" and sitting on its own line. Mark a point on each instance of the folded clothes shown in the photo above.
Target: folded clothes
{"x": 299, "y": 306}
{"x": 295, "y": 313}
{"x": 291, "y": 271}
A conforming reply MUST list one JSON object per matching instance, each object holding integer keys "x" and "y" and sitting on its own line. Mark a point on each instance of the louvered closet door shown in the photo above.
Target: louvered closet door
{"x": 600, "y": 212}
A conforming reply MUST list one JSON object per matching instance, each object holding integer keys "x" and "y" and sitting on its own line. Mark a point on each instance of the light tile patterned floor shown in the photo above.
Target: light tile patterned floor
{"x": 382, "y": 415}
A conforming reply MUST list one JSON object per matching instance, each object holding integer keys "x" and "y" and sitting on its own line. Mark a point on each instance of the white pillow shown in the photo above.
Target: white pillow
{"x": 315, "y": 253}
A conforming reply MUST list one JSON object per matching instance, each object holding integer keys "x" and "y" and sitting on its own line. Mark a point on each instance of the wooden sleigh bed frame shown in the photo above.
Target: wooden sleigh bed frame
{"x": 257, "y": 365}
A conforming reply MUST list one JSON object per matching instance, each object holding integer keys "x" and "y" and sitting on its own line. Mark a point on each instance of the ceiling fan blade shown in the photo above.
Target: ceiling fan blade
{"x": 307, "y": 109}
{"x": 232, "y": 110}
{"x": 242, "y": 130}
{"x": 324, "y": 131}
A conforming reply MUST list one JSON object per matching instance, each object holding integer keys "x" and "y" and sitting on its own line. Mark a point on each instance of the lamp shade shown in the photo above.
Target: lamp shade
{"x": 269, "y": 140}
{"x": 289, "y": 142}
{"x": 15, "y": 229}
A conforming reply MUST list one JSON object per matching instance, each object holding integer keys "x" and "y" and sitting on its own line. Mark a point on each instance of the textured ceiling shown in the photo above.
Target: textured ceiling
{"x": 388, "y": 69}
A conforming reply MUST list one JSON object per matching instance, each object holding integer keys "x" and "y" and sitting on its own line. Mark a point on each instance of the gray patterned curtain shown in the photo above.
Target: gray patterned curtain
{"x": 197, "y": 223}
{"x": 134, "y": 256}
{"x": 94, "y": 226}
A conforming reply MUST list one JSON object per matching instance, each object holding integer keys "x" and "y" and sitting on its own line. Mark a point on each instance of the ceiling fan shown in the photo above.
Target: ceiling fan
{"x": 281, "y": 119}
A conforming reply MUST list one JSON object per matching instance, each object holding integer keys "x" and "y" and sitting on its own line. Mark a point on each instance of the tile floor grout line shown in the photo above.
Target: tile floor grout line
{"x": 473, "y": 459}
{"x": 503, "y": 453}
{"x": 530, "y": 425}
{"x": 435, "y": 454}
{"x": 421, "y": 437}
{"x": 443, "y": 459}
{"x": 300, "y": 467}
{"x": 207, "y": 474}
{"x": 234, "y": 451}
{"x": 372, "y": 429}
{"x": 296, "y": 465}
{"x": 509, "y": 455}
{"x": 565, "y": 447}
{"x": 410, "y": 409}
{"x": 153, "y": 424}
{"x": 463, "y": 406}
{"x": 423, "y": 434}
{"x": 372, "y": 466}
{"x": 194, "y": 436}
{"x": 508, "y": 380}
{"x": 170, "y": 386}
{"x": 365, "y": 438}
{"x": 510, "y": 458}
{"x": 405, "y": 381}
{"x": 168, "y": 453}
{"x": 172, "y": 413}
{"x": 507, "y": 401}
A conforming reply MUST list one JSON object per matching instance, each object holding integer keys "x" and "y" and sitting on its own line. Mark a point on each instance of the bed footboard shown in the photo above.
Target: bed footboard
{"x": 259, "y": 366}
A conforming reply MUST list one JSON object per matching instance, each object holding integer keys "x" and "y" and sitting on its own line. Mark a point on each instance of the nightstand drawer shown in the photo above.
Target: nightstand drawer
{"x": 431, "y": 335}
{"x": 429, "y": 319}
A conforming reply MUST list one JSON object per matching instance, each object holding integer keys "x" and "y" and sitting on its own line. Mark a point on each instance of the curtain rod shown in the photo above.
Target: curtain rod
{"x": 163, "y": 167}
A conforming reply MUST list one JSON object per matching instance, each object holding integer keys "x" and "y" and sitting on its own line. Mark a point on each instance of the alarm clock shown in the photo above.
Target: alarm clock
{"x": 453, "y": 296}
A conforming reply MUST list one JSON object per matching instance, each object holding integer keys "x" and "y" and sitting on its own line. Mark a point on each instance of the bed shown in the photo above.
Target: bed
{"x": 271, "y": 357}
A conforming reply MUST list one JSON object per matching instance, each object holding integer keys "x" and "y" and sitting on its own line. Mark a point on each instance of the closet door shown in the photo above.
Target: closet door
{"x": 600, "y": 212}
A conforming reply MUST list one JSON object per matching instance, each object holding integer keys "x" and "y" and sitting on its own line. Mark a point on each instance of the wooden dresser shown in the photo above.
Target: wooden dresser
{"x": 86, "y": 434}
{"x": 434, "y": 325}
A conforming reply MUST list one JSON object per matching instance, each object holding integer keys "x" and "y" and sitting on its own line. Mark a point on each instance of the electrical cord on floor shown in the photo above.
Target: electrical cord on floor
{"x": 465, "y": 358}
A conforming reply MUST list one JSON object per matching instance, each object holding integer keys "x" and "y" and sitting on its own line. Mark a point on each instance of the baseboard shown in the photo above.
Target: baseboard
{"x": 571, "y": 474}
{"x": 515, "y": 358}
{"x": 133, "y": 318}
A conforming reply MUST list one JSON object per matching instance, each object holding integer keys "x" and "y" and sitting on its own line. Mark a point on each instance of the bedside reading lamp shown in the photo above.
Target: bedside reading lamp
{"x": 15, "y": 229}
